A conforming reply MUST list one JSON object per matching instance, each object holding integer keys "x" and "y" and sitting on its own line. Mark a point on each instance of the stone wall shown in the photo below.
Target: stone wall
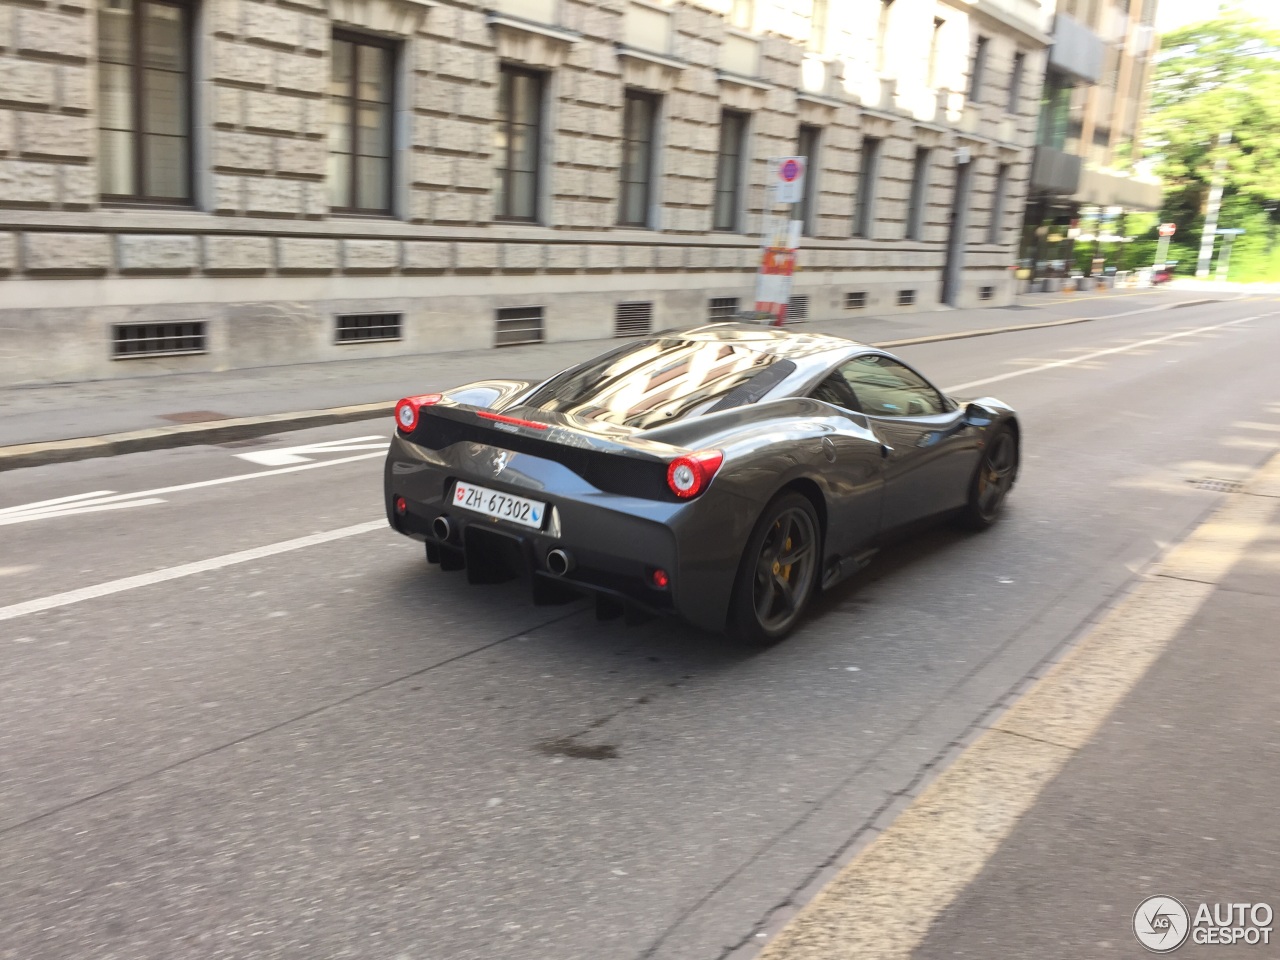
{"x": 260, "y": 222}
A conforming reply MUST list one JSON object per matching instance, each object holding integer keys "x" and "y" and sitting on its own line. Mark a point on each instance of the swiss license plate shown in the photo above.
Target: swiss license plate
{"x": 494, "y": 503}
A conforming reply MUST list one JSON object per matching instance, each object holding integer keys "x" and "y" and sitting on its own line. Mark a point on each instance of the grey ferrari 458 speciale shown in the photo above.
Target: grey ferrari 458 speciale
{"x": 721, "y": 474}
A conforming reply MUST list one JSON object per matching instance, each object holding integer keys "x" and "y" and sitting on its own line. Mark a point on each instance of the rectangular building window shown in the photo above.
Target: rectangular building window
{"x": 807, "y": 146}
{"x": 919, "y": 185}
{"x": 639, "y": 122}
{"x": 1015, "y": 82}
{"x": 1055, "y": 112}
{"x": 977, "y": 69}
{"x": 882, "y": 35}
{"x": 865, "y": 213}
{"x": 516, "y": 144}
{"x": 997, "y": 204}
{"x": 144, "y": 99}
{"x": 361, "y": 95}
{"x": 729, "y": 162}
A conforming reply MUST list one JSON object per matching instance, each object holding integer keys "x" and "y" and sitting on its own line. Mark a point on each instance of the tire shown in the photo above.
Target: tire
{"x": 997, "y": 471}
{"x": 770, "y": 597}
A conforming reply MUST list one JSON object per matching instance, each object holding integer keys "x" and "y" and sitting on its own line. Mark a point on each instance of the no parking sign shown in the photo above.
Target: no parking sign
{"x": 788, "y": 179}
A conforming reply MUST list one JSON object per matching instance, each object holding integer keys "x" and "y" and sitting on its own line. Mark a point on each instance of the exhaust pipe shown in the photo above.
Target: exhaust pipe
{"x": 559, "y": 562}
{"x": 442, "y": 528}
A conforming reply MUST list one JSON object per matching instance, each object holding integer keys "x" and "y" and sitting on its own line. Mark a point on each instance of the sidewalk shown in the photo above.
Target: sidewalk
{"x": 176, "y": 409}
{"x": 1175, "y": 796}
{"x": 1145, "y": 764}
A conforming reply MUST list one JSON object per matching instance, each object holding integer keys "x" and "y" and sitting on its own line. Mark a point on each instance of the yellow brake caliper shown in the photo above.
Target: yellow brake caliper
{"x": 779, "y": 568}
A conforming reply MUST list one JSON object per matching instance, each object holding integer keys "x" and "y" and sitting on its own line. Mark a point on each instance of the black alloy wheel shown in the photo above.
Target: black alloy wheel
{"x": 991, "y": 484}
{"x": 778, "y": 572}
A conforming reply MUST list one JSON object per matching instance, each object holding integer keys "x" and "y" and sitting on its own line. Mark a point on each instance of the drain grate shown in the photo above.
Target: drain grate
{"x": 1217, "y": 485}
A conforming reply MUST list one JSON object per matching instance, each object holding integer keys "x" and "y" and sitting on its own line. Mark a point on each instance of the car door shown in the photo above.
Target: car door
{"x": 853, "y": 472}
{"x": 931, "y": 450}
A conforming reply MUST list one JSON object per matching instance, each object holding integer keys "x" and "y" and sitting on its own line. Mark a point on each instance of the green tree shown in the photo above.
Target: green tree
{"x": 1214, "y": 77}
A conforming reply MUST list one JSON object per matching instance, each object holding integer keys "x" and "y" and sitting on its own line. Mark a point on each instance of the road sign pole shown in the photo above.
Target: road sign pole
{"x": 1224, "y": 258}
{"x": 1162, "y": 252}
{"x": 779, "y": 239}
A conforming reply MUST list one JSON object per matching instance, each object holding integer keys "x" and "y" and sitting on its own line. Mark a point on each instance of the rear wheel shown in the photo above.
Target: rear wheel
{"x": 993, "y": 480}
{"x": 777, "y": 573}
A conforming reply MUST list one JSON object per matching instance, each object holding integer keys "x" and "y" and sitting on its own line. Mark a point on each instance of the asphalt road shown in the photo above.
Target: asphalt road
{"x": 329, "y": 749}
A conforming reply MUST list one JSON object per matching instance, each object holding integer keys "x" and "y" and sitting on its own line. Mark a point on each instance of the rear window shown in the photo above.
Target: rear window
{"x": 654, "y": 382}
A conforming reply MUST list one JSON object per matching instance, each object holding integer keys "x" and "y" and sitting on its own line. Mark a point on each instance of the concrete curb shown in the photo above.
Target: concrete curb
{"x": 882, "y": 904}
{"x": 164, "y": 438}
{"x": 242, "y": 428}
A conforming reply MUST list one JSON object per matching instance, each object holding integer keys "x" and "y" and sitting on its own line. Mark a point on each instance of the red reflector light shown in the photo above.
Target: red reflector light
{"x": 689, "y": 475}
{"x": 401, "y": 505}
{"x": 515, "y": 420}
{"x": 407, "y": 410}
{"x": 660, "y": 578}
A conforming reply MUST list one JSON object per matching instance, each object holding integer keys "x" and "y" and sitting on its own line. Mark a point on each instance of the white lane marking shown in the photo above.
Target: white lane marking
{"x": 73, "y": 509}
{"x": 42, "y": 504}
{"x": 959, "y": 388}
{"x": 28, "y": 607}
{"x": 29, "y": 511}
{"x": 308, "y": 451}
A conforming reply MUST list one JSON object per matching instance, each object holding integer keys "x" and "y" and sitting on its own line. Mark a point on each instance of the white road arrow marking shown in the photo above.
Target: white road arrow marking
{"x": 78, "y": 503}
{"x": 310, "y": 451}
{"x": 105, "y": 500}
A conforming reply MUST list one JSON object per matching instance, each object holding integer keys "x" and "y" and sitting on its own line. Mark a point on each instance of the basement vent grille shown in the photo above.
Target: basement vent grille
{"x": 906, "y": 298}
{"x": 515, "y": 325}
{"x": 131, "y": 341}
{"x": 1216, "y": 485}
{"x": 721, "y": 308}
{"x": 986, "y": 293}
{"x": 855, "y": 301}
{"x": 368, "y": 327}
{"x": 633, "y": 318}
{"x": 798, "y": 310}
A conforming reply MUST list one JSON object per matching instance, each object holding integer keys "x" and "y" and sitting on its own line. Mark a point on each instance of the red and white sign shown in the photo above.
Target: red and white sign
{"x": 777, "y": 267}
{"x": 1168, "y": 229}
{"x": 788, "y": 179}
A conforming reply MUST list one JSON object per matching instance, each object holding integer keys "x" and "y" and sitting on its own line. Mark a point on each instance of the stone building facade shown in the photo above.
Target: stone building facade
{"x": 204, "y": 184}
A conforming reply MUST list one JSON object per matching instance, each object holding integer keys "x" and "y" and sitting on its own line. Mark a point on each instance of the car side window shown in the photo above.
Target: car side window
{"x": 886, "y": 388}
{"x": 834, "y": 389}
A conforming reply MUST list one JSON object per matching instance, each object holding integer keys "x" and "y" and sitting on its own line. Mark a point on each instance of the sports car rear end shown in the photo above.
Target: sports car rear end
{"x": 505, "y": 496}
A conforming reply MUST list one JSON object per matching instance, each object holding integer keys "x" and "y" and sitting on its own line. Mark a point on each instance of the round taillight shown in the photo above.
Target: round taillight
{"x": 407, "y": 410}
{"x": 407, "y": 416}
{"x": 660, "y": 579}
{"x": 688, "y": 476}
{"x": 402, "y": 506}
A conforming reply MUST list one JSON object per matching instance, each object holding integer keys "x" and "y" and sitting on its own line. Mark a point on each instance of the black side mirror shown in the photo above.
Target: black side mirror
{"x": 977, "y": 415}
